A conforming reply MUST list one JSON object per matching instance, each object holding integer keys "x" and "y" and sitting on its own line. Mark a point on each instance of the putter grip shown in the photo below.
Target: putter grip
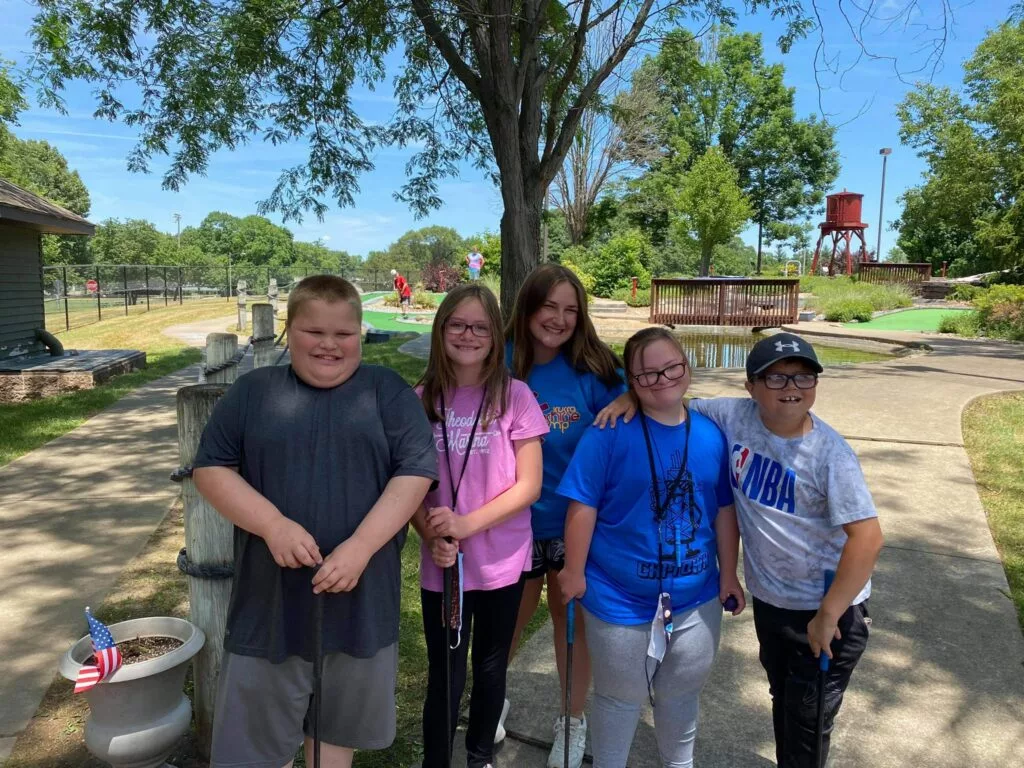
{"x": 570, "y": 621}
{"x": 730, "y": 604}
{"x": 823, "y": 659}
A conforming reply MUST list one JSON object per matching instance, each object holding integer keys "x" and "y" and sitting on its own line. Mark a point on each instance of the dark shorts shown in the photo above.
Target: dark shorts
{"x": 406, "y": 300}
{"x": 264, "y": 710}
{"x": 548, "y": 555}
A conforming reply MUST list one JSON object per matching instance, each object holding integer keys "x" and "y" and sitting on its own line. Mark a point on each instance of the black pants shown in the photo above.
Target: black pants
{"x": 793, "y": 677}
{"x": 491, "y": 617}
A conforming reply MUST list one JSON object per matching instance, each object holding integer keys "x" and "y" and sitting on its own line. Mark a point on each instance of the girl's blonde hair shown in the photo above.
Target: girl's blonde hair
{"x": 584, "y": 350}
{"x": 439, "y": 377}
{"x": 640, "y": 341}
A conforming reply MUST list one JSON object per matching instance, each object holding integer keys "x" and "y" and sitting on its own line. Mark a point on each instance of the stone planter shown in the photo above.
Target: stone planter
{"x": 139, "y": 713}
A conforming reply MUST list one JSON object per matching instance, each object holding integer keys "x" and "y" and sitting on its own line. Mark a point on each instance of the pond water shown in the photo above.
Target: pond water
{"x": 730, "y": 350}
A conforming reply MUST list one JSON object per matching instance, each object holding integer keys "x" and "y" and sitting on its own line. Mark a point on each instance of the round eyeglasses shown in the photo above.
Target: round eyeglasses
{"x": 650, "y": 378}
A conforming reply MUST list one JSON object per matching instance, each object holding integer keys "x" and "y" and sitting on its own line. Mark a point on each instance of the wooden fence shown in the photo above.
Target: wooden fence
{"x": 904, "y": 274}
{"x": 748, "y": 302}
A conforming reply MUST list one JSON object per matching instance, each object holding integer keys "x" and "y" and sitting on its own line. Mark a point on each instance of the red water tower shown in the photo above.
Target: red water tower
{"x": 842, "y": 223}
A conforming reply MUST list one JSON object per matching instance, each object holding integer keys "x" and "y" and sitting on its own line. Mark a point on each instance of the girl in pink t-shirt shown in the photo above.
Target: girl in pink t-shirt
{"x": 476, "y": 523}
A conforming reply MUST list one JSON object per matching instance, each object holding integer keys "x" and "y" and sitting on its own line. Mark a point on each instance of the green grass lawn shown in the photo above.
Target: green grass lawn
{"x": 921, "y": 320}
{"x": 994, "y": 437}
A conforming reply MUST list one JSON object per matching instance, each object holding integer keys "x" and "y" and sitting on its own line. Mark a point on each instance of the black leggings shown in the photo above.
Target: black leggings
{"x": 491, "y": 618}
{"x": 793, "y": 676}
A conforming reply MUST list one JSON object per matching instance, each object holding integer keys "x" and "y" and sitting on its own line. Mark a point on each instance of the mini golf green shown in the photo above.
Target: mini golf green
{"x": 925, "y": 320}
{"x": 385, "y": 321}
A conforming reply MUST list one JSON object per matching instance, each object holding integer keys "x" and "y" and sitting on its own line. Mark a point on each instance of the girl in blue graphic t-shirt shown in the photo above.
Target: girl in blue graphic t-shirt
{"x": 651, "y": 548}
{"x": 553, "y": 347}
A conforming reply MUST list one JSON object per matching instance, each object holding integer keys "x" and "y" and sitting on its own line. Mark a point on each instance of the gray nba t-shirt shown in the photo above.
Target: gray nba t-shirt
{"x": 792, "y": 498}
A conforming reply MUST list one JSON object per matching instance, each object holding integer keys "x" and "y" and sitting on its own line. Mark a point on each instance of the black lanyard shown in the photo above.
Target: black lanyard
{"x": 670, "y": 486}
{"x": 448, "y": 447}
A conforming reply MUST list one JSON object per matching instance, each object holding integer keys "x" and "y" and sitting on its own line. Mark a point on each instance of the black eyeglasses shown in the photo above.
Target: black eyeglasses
{"x": 650, "y": 378}
{"x": 781, "y": 380}
{"x": 457, "y": 328}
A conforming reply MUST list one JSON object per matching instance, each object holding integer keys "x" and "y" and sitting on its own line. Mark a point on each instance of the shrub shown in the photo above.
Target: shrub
{"x": 441, "y": 276}
{"x": 960, "y": 323}
{"x": 847, "y": 309}
{"x": 574, "y": 259}
{"x": 964, "y": 292}
{"x": 492, "y": 282}
{"x": 826, "y": 291}
{"x": 1001, "y": 311}
{"x": 421, "y": 299}
{"x": 643, "y": 296}
{"x": 620, "y": 259}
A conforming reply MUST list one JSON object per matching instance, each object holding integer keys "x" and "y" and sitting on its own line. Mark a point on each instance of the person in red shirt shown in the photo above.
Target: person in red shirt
{"x": 404, "y": 291}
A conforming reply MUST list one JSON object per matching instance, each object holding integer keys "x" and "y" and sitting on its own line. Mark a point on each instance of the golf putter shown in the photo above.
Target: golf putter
{"x": 823, "y": 664}
{"x": 570, "y": 637}
{"x": 446, "y": 601}
{"x": 318, "y": 668}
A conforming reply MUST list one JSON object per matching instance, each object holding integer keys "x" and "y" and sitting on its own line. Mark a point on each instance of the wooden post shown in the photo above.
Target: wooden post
{"x": 243, "y": 321}
{"x": 272, "y": 292}
{"x": 208, "y": 542}
{"x": 262, "y": 326}
{"x": 221, "y": 347}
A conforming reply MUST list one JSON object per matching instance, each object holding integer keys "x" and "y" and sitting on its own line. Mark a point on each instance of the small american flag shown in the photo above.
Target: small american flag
{"x": 108, "y": 657}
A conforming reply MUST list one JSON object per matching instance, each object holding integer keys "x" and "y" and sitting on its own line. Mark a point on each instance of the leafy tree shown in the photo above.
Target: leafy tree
{"x": 133, "y": 241}
{"x": 711, "y": 207}
{"x": 896, "y": 256}
{"x": 433, "y": 245}
{"x": 720, "y": 91}
{"x": 500, "y": 85}
{"x": 968, "y": 210}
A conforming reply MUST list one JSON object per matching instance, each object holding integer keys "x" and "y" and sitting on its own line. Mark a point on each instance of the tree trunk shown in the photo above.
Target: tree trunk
{"x": 520, "y": 239}
{"x": 705, "y": 258}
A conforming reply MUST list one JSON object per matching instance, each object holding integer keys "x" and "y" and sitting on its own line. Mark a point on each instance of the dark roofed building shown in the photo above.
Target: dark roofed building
{"x": 32, "y": 362}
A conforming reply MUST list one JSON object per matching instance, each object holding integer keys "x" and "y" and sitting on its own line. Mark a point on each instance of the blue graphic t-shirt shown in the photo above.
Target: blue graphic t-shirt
{"x": 570, "y": 400}
{"x": 626, "y": 568}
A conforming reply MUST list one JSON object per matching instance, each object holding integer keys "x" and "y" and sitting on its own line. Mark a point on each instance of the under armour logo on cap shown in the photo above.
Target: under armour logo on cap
{"x": 781, "y": 346}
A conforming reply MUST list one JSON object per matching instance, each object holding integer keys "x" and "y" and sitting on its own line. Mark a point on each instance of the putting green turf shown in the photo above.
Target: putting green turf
{"x": 908, "y": 320}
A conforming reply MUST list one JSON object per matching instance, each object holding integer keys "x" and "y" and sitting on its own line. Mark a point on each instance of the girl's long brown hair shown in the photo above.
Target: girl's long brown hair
{"x": 584, "y": 350}
{"x": 439, "y": 377}
{"x": 640, "y": 341}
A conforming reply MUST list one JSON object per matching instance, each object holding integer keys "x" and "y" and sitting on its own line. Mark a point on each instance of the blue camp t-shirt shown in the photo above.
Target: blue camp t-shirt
{"x": 570, "y": 400}
{"x": 611, "y": 472}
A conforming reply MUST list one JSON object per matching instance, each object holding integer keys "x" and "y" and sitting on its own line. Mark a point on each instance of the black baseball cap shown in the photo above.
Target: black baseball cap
{"x": 781, "y": 346}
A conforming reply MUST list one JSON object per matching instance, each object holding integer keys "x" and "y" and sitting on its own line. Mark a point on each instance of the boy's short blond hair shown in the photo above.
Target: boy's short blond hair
{"x": 327, "y": 288}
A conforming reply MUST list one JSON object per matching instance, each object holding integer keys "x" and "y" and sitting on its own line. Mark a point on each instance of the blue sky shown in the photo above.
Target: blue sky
{"x": 862, "y": 102}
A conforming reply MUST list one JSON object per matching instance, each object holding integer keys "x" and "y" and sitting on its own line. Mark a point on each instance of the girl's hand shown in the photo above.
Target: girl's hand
{"x": 624, "y": 405}
{"x": 729, "y": 586}
{"x": 572, "y": 584}
{"x": 446, "y": 523}
{"x": 443, "y": 553}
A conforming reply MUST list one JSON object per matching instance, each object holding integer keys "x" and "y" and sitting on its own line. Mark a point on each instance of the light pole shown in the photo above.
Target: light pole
{"x": 884, "y": 152}
{"x": 177, "y": 220}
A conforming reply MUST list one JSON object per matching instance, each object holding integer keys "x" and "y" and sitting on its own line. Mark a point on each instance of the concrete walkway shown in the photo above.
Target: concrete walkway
{"x": 73, "y": 512}
{"x": 942, "y": 683}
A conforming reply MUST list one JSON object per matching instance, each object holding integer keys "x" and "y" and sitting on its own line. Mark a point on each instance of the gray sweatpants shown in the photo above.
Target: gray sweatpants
{"x": 618, "y": 656}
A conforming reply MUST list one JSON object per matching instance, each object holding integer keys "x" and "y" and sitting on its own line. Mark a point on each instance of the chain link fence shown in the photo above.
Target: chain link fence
{"x": 77, "y": 295}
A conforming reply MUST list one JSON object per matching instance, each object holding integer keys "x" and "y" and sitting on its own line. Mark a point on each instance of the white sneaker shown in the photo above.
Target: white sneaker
{"x": 577, "y": 742}
{"x": 499, "y": 734}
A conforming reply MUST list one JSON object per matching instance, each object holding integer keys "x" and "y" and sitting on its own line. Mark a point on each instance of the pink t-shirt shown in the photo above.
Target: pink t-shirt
{"x": 498, "y": 556}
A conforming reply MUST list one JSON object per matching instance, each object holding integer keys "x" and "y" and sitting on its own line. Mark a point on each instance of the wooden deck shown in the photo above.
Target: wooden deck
{"x": 746, "y": 302}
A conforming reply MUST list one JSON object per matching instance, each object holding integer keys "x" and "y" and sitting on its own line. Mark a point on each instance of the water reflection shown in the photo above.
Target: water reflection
{"x": 730, "y": 350}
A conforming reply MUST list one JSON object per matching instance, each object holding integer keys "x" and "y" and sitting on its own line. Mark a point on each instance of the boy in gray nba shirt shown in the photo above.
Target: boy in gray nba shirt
{"x": 803, "y": 508}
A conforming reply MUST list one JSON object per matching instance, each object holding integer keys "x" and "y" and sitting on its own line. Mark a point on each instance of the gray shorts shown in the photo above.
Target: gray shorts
{"x": 263, "y": 710}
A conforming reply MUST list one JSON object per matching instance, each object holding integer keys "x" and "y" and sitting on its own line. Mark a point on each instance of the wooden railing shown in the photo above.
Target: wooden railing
{"x": 749, "y": 302}
{"x": 905, "y": 274}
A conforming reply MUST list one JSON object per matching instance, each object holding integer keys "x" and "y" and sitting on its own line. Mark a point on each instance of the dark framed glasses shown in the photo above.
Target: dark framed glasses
{"x": 781, "y": 380}
{"x": 457, "y": 328}
{"x": 650, "y": 378}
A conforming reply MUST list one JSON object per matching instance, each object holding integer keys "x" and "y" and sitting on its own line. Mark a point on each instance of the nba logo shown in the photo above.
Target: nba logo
{"x": 739, "y": 461}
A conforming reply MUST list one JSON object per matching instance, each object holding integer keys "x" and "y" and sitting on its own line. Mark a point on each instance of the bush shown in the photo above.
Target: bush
{"x": 1001, "y": 311}
{"x": 620, "y": 259}
{"x": 492, "y": 282}
{"x": 643, "y": 296}
{"x": 827, "y": 291}
{"x": 441, "y": 277}
{"x": 960, "y": 323}
{"x": 421, "y": 299}
{"x": 574, "y": 259}
{"x": 963, "y": 292}
{"x": 847, "y": 309}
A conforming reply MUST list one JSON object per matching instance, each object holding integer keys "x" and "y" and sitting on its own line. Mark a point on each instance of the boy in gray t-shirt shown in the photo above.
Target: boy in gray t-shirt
{"x": 803, "y": 508}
